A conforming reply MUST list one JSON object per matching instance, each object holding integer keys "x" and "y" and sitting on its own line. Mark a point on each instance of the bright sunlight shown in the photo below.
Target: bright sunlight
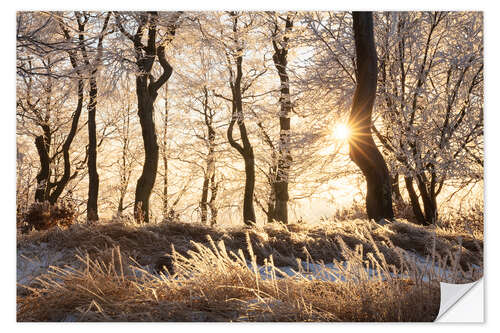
{"x": 341, "y": 132}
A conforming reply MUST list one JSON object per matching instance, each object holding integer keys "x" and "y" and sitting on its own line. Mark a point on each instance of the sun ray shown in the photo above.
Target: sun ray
{"x": 341, "y": 132}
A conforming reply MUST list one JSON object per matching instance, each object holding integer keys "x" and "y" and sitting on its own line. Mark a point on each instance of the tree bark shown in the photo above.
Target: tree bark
{"x": 93, "y": 192}
{"x": 125, "y": 170}
{"x": 66, "y": 177}
{"x": 429, "y": 200}
{"x": 147, "y": 91}
{"x": 204, "y": 200}
{"x": 280, "y": 209}
{"x": 147, "y": 179}
{"x": 415, "y": 205}
{"x": 209, "y": 175}
{"x": 245, "y": 150}
{"x": 362, "y": 148}
{"x": 165, "y": 157}
{"x": 271, "y": 201}
{"x": 211, "y": 203}
{"x": 42, "y": 143}
{"x": 395, "y": 188}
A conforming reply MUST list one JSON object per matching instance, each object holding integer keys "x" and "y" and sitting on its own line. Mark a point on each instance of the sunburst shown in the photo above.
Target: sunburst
{"x": 341, "y": 132}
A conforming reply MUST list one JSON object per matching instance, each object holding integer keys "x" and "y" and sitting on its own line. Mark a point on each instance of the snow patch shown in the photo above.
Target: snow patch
{"x": 35, "y": 259}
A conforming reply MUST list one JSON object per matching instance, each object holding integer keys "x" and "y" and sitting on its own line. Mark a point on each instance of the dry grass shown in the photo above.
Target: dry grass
{"x": 114, "y": 279}
{"x": 454, "y": 217}
{"x": 468, "y": 220}
{"x": 212, "y": 284}
{"x": 146, "y": 243}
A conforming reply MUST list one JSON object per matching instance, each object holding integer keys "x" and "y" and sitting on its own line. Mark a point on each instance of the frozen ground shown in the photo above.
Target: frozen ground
{"x": 35, "y": 259}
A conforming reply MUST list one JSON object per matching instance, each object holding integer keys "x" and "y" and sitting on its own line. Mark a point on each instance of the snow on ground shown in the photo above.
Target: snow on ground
{"x": 429, "y": 269}
{"x": 312, "y": 271}
{"x": 35, "y": 259}
{"x": 422, "y": 268}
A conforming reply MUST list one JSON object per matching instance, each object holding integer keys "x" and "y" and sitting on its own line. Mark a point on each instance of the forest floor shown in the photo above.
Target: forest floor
{"x": 349, "y": 270}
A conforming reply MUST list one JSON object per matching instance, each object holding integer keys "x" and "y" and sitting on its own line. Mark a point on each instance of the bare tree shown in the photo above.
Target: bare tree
{"x": 281, "y": 170}
{"x": 363, "y": 150}
{"x": 125, "y": 163}
{"x": 237, "y": 116}
{"x": 42, "y": 72}
{"x": 245, "y": 80}
{"x": 209, "y": 183}
{"x": 164, "y": 155}
{"x": 147, "y": 90}
{"x": 93, "y": 192}
{"x": 67, "y": 176}
{"x": 432, "y": 118}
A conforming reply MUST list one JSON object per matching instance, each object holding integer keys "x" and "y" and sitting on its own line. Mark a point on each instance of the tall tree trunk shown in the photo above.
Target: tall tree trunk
{"x": 125, "y": 170}
{"x": 147, "y": 179}
{"x": 93, "y": 193}
{"x": 147, "y": 91}
{"x": 165, "y": 156}
{"x": 209, "y": 177}
{"x": 363, "y": 150}
{"x": 248, "y": 208}
{"x": 245, "y": 150}
{"x": 280, "y": 212}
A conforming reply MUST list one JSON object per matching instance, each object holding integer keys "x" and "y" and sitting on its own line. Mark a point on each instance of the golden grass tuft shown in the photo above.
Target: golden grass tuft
{"x": 213, "y": 284}
{"x": 286, "y": 243}
{"x": 384, "y": 273}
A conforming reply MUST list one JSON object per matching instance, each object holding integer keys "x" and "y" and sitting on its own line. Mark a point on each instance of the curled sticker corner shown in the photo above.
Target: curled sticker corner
{"x": 451, "y": 295}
